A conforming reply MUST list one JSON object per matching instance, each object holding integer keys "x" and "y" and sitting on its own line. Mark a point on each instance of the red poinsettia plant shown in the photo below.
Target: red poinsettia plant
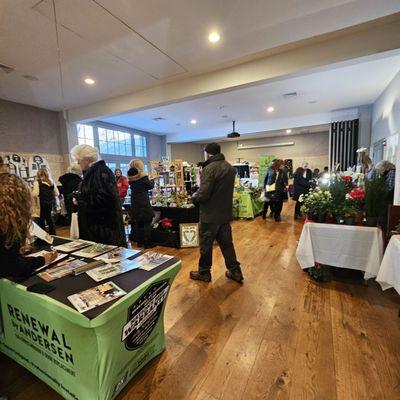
{"x": 166, "y": 223}
{"x": 357, "y": 197}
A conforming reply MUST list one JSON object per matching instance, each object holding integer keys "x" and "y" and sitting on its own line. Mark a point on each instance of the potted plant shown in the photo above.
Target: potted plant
{"x": 376, "y": 191}
{"x": 357, "y": 198}
{"x": 349, "y": 211}
{"x": 337, "y": 211}
{"x": 316, "y": 204}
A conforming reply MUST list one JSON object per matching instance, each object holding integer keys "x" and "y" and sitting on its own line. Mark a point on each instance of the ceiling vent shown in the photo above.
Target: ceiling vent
{"x": 290, "y": 96}
{"x": 6, "y": 68}
{"x": 159, "y": 119}
{"x": 31, "y": 78}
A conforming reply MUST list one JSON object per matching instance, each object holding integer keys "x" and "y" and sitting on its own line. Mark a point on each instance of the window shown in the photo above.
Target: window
{"x": 140, "y": 146}
{"x": 85, "y": 134}
{"x": 124, "y": 168}
{"x": 115, "y": 142}
{"x": 112, "y": 166}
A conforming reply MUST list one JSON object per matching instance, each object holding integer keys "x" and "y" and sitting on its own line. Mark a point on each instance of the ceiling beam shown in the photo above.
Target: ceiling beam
{"x": 362, "y": 40}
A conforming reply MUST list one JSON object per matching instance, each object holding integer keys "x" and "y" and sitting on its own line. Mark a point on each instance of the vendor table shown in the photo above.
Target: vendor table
{"x": 343, "y": 246}
{"x": 247, "y": 206}
{"x": 389, "y": 272}
{"x": 91, "y": 355}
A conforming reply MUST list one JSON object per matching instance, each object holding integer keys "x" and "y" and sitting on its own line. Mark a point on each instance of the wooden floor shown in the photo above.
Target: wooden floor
{"x": 278, "y": 336}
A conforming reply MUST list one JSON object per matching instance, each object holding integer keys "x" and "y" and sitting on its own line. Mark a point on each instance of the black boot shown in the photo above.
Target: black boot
{"x": 235, "y": 274}
{"x": 204, "y": 276}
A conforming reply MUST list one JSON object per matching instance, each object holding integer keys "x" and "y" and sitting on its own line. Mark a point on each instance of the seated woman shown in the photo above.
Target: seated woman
{"x": 99, "y": 206}
{"x": 141, "y": 211}
{"x": 15, "y": 218}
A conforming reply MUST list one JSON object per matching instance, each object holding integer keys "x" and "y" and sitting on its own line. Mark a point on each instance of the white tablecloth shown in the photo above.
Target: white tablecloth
{"x": 389, "y": 273}
{"x": 345, "y": 246}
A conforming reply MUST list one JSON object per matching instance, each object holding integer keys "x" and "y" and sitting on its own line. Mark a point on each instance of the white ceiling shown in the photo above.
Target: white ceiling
{"x": 318, "y": 93}
{"x": 129, "y": 45}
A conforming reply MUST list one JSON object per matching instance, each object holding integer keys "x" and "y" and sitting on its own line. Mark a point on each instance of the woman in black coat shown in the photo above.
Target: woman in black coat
{"x": 275, "y": 187}
{"x": 99, "y": 207}
{"x": 300, "y": 186}
{"x": 70, "y": 183}
{"x": 141, "y": 212}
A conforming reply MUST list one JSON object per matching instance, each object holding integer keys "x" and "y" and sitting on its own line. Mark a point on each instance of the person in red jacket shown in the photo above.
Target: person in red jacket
{"x": 122, "y": 184}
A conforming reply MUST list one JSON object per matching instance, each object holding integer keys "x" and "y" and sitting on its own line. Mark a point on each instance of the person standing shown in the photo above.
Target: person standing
{"x": 122, "y": 185}
{"x": 70, "y": 183}
{"x": 215, "y": 198}
{"x": 99, "y": 207}
{"x": 307, "y": 172}
{"x": 300, "y": 186}
{"x": 141, "y": 212}
{"x": 45, "y": 192}
{"x": 268, "y": 202}
{"x": 276, "y": 182}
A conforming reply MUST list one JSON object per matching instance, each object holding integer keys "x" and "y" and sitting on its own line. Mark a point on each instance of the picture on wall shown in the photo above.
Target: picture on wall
{"x": 189, "y": 235}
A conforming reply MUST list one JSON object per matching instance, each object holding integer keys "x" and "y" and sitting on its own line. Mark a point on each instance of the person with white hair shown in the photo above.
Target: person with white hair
{"x": 99, "y": 207}
{"x": 70, "y": 183}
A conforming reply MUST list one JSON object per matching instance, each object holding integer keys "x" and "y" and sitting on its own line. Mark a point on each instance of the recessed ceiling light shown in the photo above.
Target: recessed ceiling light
{"x": 288, "y": 131}
{"x": 89, "y": 81}
{"x": 193, "y": 121}
{"x": 214, "y": 37}
{"x": 271, "y": 109}
{"x": 225, "y": 116}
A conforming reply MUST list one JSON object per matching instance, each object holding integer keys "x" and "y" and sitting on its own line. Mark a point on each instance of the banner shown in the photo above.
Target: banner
{"x": 78, "y": 357}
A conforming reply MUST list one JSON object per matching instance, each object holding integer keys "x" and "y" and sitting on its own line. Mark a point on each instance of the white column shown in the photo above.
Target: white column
{"x": 397, "y": 184}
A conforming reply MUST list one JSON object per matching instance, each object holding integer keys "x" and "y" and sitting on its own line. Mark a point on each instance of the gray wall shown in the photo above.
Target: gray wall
{"x": 311, "y": 147}
{"x": 28, "y": 129}
{"x": 190, "y": 152}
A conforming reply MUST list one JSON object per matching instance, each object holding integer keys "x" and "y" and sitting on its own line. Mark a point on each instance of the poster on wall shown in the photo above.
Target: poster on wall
{"x": 36, "y": 162}
{"x": 17, "y": 165}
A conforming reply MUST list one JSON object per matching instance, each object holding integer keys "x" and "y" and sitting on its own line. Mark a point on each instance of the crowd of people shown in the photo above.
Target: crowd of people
{"x": 96, "y": 194}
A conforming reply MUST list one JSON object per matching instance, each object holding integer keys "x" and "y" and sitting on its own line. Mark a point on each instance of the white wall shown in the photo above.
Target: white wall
{"x": 310, "y": 147}
{"x": 386, "y": 125}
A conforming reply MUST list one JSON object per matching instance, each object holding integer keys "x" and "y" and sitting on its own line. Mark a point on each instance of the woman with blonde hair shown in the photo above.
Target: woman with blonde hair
{"x": 141, "y": 212}
{"x": 15, "y": 219}
{"x": 45, "y": 193}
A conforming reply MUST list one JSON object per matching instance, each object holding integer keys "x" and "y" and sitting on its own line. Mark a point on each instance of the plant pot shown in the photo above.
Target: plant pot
{"x": 339, "y": 219}
{"x": 349, "y": 220}
{"x": 371, "y": 221}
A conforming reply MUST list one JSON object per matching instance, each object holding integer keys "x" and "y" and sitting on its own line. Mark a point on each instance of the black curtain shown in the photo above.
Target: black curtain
{"x": 344, "y": 144}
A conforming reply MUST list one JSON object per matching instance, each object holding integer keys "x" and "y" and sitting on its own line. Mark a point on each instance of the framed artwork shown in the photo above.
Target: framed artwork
{"x": 189, "y": 235}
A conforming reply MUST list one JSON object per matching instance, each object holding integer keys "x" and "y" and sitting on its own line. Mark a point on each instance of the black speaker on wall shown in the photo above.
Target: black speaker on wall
{"x": 343, "y": 144}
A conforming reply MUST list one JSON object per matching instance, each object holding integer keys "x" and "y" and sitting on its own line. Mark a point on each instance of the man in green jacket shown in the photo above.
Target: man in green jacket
{"x": 215, "y": 200}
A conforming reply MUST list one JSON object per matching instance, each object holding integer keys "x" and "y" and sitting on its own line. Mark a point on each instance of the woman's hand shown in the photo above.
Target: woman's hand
{"x": 50, "y": 257}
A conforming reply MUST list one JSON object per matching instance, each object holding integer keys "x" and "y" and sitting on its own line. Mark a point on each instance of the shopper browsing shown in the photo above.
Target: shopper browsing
{"x": 70, "y": 183}
{"x": 99, "y": 207}
{"x": 300, "y": 186}
{"x": 122, "y": 185}
{"x": 215, "y": 200}
{"x": 141, "y": 212}
{"x": 268, "y": 203}
{"x": 15, "y": 218}
{"x": 45, "y": 193}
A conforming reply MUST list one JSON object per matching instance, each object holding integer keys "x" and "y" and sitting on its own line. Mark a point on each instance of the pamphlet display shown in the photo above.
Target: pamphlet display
{"x": 110, "y": 270}
{"x": 150, "y": 260}
{"x": 61, "y": 269}
{"x": 70, "y": 247}
{"x": 45, "y": 252}
{"x": 118, "y": 255}
{"x": 94, "y": 250}
{"x": 96, "y": 296}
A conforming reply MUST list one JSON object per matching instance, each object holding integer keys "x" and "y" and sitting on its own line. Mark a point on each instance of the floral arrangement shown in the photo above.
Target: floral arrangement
{"x": 316, "y": 201}
{"x": 165, "y": 223}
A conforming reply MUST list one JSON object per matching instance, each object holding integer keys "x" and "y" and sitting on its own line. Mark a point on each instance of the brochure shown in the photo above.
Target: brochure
{"x": 109, "y": 270}
{"x": 42, "y": 254}
{"x": 72, "y": 246}
{"x": 94, "y": 297}
{"x": 94, "y": 250}
{"x": 117, "y": 255}
{"x": 61, "y": 269}
{"x": 36, "y": 231}
{"x": 151, "y": 260}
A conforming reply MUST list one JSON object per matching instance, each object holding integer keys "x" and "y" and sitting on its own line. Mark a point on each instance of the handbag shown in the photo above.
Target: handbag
{"x": 74, "y": 229}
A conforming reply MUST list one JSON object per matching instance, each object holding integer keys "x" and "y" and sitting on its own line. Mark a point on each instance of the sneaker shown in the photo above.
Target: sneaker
{"x": 200, "y": 276}
{"x": 235, "y": 274}
{"x": 278, "y": 219}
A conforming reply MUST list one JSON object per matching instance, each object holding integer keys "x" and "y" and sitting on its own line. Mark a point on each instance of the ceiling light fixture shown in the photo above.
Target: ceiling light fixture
{"x": 288, "y": 131}
{"x": 214, "y": 37}
{"x": 271, "y": 109}
{"x": 89, "y": 81}
{"x": 193, "y": 121}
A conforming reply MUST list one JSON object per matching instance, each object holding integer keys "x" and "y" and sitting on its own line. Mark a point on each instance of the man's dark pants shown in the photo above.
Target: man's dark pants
{"x": 223, "y": 234}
